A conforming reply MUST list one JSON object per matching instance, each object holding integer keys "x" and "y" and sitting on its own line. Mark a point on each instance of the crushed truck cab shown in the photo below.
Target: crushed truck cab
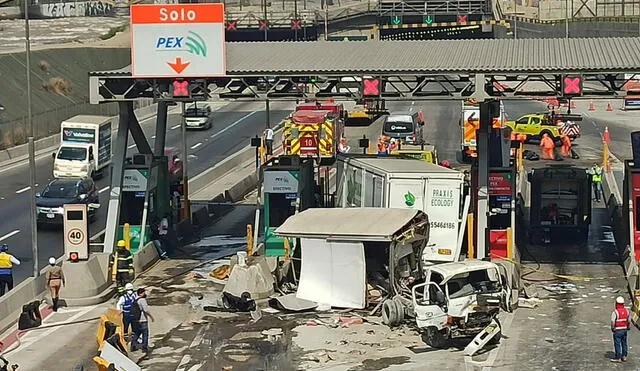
{"x": 459, "y": 299}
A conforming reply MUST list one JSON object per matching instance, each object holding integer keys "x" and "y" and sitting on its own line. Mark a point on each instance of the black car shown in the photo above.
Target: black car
{"x": 49, "y": 203}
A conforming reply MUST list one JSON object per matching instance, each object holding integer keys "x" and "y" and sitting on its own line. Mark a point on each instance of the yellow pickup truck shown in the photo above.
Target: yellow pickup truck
{"x": 535, "y": 126}
{"x": 427, "y": 153}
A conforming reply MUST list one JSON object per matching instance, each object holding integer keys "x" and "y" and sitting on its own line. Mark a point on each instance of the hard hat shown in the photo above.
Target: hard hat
{"x": 4, "y": 247}
{"x": 128, "y": 286}
{"x": 52, "y": 260}
{"x": 121, "y": 243}
{"x": 620, "y": 300}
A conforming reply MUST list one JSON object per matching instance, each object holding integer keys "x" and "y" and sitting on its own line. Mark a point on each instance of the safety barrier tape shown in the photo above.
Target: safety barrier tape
{"x": 561, "y": 276}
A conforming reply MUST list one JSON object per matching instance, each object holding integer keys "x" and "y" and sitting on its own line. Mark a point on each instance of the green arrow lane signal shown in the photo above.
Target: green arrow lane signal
{"x": 428, "y": 19}
{"x": 396, "y": 19}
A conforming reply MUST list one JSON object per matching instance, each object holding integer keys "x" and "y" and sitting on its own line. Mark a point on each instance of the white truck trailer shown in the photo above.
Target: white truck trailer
{"x": 85, "y": 146}
{"x": 368, "y": 181}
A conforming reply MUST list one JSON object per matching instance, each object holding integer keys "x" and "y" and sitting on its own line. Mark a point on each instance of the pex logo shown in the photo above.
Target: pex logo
{"x": 192, "y": 43}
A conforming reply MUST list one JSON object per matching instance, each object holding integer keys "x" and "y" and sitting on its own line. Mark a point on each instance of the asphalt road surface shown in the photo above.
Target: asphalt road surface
{"x": 233, "y": 126}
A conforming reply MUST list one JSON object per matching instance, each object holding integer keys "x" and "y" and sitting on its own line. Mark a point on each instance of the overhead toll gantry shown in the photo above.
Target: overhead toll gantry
{"x": 485, "y": 70}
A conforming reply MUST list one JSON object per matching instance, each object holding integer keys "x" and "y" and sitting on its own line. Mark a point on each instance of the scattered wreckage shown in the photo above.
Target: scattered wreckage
{"x": 347, "y": 255}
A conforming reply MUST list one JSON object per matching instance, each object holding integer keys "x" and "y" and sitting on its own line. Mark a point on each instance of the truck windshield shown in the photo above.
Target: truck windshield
{"x": 470, "y": 283}
{"x": 60, "y": 190}
{"x": 399, "y": 124}
{"x": 72, "y": 154}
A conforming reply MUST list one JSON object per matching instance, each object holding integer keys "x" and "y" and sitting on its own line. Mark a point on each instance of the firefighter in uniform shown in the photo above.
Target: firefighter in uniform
{"x": 122, "y": 266}
{"x": 620, "y": 324}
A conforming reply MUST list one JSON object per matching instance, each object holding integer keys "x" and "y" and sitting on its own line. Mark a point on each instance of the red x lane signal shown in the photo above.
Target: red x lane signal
{"x": 296, "y": 24}
{"x": 232, "y": 25}
{"x": 263, "y": 25}
{"x": 371, "y": 87}
{"x": 572, "y": 85}
{"x": 462, "y": 18}
{"x": 180, "y": 88}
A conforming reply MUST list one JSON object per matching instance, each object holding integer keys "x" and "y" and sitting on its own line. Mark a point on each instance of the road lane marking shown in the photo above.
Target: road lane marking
{"x": 174, "y": 127}
{"x": 31, "y": 340}
{"x": 196, "y": 145}
{"x": 23, "y": 189}
{"x": 13, "y": 233}
{"x": 104, "y": 189}
{"x": 153, "y": 137}
{"x": 131, "y": 146}
{"x": 238, "y": 121}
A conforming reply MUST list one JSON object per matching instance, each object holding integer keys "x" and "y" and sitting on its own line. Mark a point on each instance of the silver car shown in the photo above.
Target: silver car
{"x": 198, "y": 116}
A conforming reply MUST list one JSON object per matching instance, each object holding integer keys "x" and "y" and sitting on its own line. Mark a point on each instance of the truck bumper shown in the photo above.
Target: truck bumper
{"x": 69, "y": 174}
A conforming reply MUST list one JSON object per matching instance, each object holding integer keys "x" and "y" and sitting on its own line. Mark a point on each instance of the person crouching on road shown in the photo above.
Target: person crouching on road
{"x": 620, "y": 324}
{"x": 6, "y": 269}
{"x": 55, "y": 280}
{"x": 125, "y": 302}
{"x": 139, "y": 315}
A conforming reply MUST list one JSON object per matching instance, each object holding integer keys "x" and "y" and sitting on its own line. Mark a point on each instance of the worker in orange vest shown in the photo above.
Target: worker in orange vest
{"x": 566, "y": 145}
{"x": 393, "y": 145}
{"x": 420, "y": 117}
{"x": 548, "y": 147}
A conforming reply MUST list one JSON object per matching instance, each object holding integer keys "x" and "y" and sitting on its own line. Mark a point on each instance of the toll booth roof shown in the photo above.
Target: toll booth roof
{"x": 401, "y": 165}
{"x": 361, "y": 224}
{"x": 310, "y": 117}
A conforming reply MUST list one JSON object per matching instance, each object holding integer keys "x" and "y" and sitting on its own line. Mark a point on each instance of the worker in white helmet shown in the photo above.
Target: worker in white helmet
{"x": 620, "y": 325}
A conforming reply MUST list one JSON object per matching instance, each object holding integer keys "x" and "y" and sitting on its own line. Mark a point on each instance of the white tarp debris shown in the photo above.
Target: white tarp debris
{"x": 333, "y": 273}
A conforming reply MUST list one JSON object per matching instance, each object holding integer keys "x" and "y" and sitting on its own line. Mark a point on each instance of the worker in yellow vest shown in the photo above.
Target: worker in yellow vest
{"x": 122, "y": 266}
{"x": 6, "y": 269}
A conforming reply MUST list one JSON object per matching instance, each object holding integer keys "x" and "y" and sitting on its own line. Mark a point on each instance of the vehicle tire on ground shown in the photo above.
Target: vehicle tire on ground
{"x": 389, "y": 312}
{"x": 92, "y": 175}
{"x": 436, "y": 339}
{"x": 399, "y": 309}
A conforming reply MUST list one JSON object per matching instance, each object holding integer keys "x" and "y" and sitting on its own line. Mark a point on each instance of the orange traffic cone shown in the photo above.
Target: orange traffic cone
{"x": 591, "y": 106}
{"x": 605, "y": 136}
{"x": 573, "y": 104}
{"x": 609, "y": 108}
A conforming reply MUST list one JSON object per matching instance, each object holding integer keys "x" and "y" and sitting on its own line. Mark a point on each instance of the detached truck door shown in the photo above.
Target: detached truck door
{"x": 442, "y": 206}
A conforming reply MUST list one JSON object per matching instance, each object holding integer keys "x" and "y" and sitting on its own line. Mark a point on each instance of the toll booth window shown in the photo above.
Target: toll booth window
{"x": 131, "y": 208}
{"x": 75, "y": 215}
{"x": 281, "y": 207}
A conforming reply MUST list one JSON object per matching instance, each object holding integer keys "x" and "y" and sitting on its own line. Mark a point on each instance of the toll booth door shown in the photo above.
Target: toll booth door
{"x": 279, "y": 207}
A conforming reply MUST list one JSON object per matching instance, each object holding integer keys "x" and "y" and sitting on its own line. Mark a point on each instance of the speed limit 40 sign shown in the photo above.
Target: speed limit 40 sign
{"x": 76, "y": 240}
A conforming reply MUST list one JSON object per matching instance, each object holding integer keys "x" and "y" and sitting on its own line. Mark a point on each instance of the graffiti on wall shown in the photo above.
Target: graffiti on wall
{"x": 76, "y": 9}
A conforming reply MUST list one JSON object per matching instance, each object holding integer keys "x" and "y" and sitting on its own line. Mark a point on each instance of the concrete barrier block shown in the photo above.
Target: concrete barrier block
{"x": 240, "y": 189}
{"x": 145, "y": 258}
{"x": 255, "y": 279}
{"x": 86, "y": 278}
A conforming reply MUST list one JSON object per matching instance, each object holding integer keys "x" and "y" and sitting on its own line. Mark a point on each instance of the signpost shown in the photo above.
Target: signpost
{"x": 76, "y": 230}
{"x": 177, "y": 40}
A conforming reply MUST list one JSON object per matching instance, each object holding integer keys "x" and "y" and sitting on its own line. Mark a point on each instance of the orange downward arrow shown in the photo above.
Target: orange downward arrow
{"x": 178, "y": 66}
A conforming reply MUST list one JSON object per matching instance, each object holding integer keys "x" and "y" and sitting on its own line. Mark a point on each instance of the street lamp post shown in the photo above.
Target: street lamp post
{"x": 566, "y": 19}
{"x": 32, "y": 154}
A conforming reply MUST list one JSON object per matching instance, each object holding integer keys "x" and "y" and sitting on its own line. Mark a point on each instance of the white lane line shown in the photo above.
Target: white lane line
{"x": 31, "y": 340}
{"x": 153, "y": 137}
{"x": 104, "y": 189}
{"x": 238, "y": 121}
{"x": 196, "y": 145}
{"x": 131, "y": 146}
{"x": 174, "y": 127}
{"x": 13, "y": 233}
{"x": 23, "y": 189}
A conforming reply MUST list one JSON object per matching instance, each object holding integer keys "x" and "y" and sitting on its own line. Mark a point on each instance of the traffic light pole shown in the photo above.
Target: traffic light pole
{"x": 185, "y": 174}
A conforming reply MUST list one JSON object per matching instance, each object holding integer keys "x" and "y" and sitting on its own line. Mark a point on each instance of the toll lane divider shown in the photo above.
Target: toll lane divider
{"x": 49, "y": 144}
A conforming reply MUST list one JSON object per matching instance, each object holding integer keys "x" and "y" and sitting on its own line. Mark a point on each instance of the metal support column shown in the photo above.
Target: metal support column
{"x": 138, "y": 135}
{"x": 267, "y": 114}
{"x": 482, "y": 219}
{"x": 117, "y": 173}
{"x": 161, "y": 129}
{"x": 186, "y": 208}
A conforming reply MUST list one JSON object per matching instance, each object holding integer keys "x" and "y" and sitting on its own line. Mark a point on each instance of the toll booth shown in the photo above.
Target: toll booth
{"x": 631, "y": 205}
{"x": 145, "y": 195}
{"x": 502, "y": 193}
{"x": 288, "y": 186}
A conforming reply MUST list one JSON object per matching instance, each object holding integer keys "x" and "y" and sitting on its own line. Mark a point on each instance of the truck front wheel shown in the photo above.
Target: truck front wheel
{"x": 435, "y": 338}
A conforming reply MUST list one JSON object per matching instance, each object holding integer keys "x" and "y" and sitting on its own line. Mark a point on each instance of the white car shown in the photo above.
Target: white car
{"x": 198, "y": 116}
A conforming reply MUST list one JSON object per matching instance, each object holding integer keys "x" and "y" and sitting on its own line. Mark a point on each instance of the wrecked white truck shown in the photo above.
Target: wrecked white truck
{"x": 352, "y": 258}
{"x": 460, "y": 300}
